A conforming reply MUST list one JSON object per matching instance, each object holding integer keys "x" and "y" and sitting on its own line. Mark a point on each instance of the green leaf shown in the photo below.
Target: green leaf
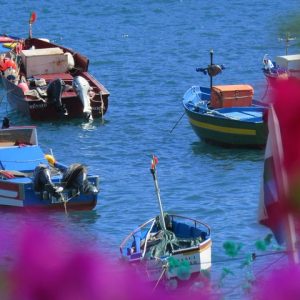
{"x": 225, "y": 273}
{"x": 268, "y": 239}
{"x": 261, "y": 245}
{"x": 184, "y": 271}
{"x": 173, "y": 263}
{"x": 232, "y": 248}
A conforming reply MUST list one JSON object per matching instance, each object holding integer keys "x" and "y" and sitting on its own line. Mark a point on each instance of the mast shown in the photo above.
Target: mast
{"x": 211, "y": 63}
{"x": 153, "y": 172}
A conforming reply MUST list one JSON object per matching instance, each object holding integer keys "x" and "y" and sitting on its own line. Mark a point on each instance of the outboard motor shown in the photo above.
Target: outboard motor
{"x": 76, "y": 177}
{"x": 54, "y": 92}
{"x": 82, "y": 88}
{"x": 42, "y": 181}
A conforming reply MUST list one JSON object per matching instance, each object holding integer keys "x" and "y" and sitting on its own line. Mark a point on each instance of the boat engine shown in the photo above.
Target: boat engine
{"x": 82, "y": 88}
{"x": 75, "y": 177}
{"x": 54, "y": 92}
{"x": 42, "y": 181}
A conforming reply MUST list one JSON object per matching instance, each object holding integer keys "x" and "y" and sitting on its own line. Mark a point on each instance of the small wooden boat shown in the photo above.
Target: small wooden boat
{"x": 47, "y": 81}
{"x": 30, "y": 179}
{"x": 168, "y": 246}
{"x": 226, "y": 114}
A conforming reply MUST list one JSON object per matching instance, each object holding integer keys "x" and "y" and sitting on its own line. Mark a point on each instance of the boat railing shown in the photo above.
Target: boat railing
{"x": 197, "y": 224}
{"x": 147, "y": 238}
{"x": 131, "y": 235}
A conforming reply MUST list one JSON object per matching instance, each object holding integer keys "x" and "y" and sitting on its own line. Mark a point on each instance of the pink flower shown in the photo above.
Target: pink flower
{"x": 281, "y": 284}
{"x": 49, "y": 266}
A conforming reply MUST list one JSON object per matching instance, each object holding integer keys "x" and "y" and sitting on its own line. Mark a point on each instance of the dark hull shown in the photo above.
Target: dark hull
{"x": 44, "y": 111}
{"x": 228, "y": 132}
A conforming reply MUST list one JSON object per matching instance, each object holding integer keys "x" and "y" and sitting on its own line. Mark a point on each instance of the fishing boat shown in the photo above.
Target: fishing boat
{"x": 226, "y": 114}
{"x": 31, "y": 179}
{"x": 46, "y": 81}
{"x": 283, "y": 67}
{"x": 168, "y": 246}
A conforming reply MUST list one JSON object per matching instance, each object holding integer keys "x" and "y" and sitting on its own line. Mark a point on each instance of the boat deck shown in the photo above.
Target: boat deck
{"x": 243, "y": 115}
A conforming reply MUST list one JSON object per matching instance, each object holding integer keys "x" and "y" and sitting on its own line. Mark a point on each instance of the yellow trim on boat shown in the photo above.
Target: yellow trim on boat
{"x": 10, "y": 45}
{"x": 223, "y": 129}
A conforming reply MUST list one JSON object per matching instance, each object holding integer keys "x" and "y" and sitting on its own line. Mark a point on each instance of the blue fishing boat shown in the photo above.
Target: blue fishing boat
{"x": 31, "y": 179}
{"x": 168, "y": 246}
{"x": 226, "y": 114}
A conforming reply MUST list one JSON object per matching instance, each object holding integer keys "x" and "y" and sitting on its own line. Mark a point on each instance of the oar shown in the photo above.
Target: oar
{"x": 153, "y": 171}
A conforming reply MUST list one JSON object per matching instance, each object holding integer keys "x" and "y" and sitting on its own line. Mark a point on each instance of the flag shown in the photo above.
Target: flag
{"x": 270, "y": 212}
{"x": 154, "y": 162}
{"x": 32, "y": 17}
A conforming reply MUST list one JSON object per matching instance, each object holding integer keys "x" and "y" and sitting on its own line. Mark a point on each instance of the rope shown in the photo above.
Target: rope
{"x": 263, "y": 97}
{"x": 65, "y": 201}
{"x": 177, "y": 122}
{"x": 165, "y": 267}
{"x": 65, "y": 205}
{"x": 263, "y": 270}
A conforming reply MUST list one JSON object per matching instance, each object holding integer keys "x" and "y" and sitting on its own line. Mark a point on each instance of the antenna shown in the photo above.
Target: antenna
{"x": 287, "y": 40}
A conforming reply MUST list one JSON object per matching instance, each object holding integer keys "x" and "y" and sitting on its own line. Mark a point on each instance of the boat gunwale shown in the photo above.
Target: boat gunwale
{"x": 126, "y": 239}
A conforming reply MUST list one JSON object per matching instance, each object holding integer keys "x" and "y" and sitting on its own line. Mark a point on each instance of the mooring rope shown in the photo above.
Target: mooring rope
{"x": 165, "y": 267}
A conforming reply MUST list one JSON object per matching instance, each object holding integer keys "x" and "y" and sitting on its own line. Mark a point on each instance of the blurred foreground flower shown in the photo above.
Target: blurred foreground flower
{"x": 287, "y": 107}
{"x": 48, "y": 266}
{"x": 280, "y": 285}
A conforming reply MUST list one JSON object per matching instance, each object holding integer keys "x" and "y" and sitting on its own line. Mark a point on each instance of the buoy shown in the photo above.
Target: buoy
{"x": 6, "y": 63}
{"x": 50, "y": 158}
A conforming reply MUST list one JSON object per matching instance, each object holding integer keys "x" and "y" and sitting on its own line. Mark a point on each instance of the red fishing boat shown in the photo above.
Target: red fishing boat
{"x": 47, "y": 81}
{"x": 282, "y": 67}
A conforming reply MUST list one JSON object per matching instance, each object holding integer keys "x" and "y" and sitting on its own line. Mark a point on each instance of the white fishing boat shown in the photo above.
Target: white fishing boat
{"x": 168, "y": 246}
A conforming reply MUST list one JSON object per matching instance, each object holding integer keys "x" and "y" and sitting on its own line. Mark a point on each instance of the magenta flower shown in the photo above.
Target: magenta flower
{"x": 281, "y": 284}
{"x": 49, "y": 266}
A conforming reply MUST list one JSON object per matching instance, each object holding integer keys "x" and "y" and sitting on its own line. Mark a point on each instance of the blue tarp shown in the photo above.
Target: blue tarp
{"x": 23, "y": 159}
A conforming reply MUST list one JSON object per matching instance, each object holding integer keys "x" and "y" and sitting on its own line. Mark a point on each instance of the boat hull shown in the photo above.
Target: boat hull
{"x": 227, "y": 131}
{"x": 198, "y": 259}
{"x": 18, "y": 194}
{"x": 40, "y": 110}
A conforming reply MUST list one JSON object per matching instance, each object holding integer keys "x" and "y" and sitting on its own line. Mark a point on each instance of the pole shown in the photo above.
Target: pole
{"x": 153, "y": 171}
{"x": 211, "y": 63}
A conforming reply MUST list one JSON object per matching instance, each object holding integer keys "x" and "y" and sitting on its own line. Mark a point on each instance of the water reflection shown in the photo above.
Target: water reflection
{"x": 222, "y": 153}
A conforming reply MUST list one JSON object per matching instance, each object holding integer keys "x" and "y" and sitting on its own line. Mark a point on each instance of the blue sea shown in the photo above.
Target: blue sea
{"x": 146, "y": 53}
